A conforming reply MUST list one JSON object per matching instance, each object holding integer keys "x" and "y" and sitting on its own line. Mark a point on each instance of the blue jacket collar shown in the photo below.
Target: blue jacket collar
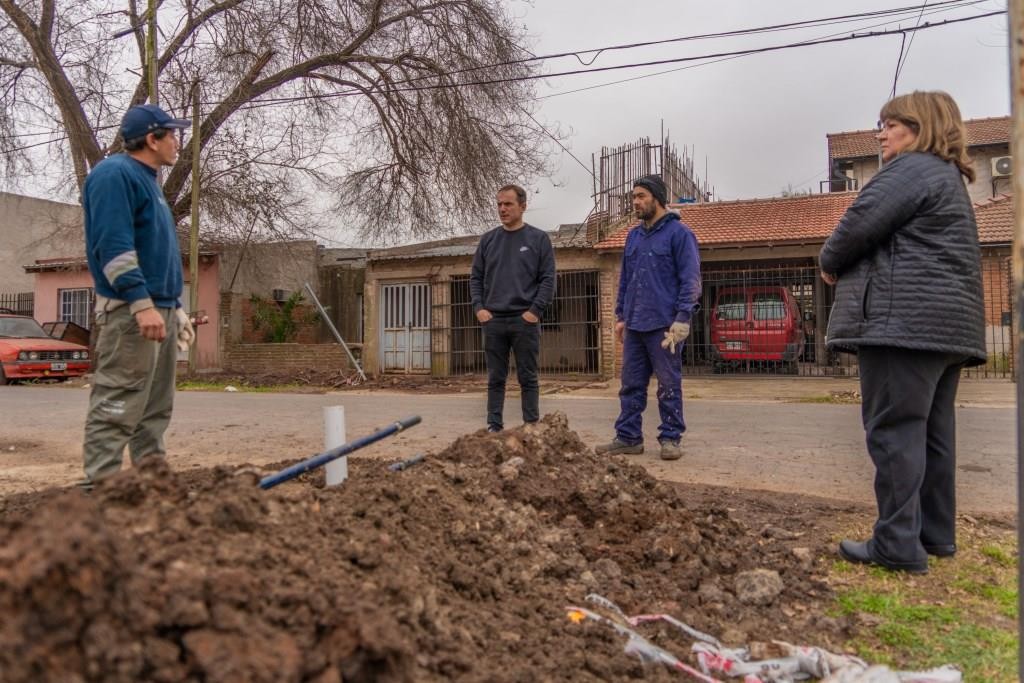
{"x": 669, "y": 216}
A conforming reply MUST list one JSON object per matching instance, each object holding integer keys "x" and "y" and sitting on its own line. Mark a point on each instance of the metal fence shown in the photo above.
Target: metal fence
{"x": 570, "y": 331}
{"x": 996, "y": 273}
{"x": 753, "y": 320}
{"x": 22, "y": 303}
{"x": 764, "y": 320}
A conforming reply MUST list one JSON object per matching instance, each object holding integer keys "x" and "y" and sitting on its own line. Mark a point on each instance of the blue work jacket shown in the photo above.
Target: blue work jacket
{"x": 660, "y": 279}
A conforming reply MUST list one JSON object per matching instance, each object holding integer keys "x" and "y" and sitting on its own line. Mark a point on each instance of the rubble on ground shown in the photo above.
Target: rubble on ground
{"x": 457, "y": 568}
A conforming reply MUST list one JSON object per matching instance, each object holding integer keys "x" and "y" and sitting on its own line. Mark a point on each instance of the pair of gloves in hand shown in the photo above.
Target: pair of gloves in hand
{"x": 186, "y": 334}
{"x": 675, "y": 336}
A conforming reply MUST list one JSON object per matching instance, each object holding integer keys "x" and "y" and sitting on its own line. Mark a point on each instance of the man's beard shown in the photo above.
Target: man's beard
{"x": 645, "y": 215}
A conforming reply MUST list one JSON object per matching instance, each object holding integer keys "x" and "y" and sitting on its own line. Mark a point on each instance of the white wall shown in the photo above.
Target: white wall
{"x": 33, "y": 229}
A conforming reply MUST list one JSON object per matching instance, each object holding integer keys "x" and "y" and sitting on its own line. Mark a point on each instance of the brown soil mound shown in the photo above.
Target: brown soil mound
{"x": 459, "y": 568}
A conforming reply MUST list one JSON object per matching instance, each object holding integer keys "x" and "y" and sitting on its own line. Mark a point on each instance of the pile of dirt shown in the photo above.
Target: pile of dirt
{"x": 459, "y": 568}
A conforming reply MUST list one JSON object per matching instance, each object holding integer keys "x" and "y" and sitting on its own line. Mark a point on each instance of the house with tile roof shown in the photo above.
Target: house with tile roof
{"x": 746, "y": 243}
{"x": 419, "y": 318}
{"x": 853, "y": 158}
{"x": 775, "y": 242}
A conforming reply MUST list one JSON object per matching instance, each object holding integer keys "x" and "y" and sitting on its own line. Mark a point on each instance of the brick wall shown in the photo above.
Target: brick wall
{"x": 253, "y": 358}
{"x": 236, "y": 322}
{"x": 609, "y": 289}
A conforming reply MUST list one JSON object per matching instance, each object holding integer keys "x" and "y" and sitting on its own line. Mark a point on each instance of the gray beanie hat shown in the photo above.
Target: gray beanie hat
{"x": 655, "y": 185}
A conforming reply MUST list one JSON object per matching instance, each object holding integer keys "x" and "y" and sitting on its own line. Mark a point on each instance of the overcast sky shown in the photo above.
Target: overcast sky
{"x": 759, "y": 120}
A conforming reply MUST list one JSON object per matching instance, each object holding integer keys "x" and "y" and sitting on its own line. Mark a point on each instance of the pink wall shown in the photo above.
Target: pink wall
{"x": 208, "y": 336}
{"x": 47, "y": 291}
{"x": 49, "y": 284}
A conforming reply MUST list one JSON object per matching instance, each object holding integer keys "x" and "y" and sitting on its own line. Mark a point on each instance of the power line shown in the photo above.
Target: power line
{"x": 635, "y": 65}
{"x": 896, "y": 75}
{"x": 934, "y": 10}
{"x": 713, "y": 56}
{"x": 558, "y": 142}
{"x": 946, "y": 5}
{"x": 902, "y": 59}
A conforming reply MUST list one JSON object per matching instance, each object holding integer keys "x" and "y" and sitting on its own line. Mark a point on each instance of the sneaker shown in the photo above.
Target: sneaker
{"x": 670, "y": 450}
{"x": 491, "y": 429}
{"x": 619, "y": 447}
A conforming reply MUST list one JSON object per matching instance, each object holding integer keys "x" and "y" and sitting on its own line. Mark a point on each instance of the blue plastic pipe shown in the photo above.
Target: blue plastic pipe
{"x": 335, "y": 453}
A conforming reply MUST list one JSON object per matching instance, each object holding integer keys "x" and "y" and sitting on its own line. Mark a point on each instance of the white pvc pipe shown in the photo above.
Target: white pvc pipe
{"x": 334, "y": 436}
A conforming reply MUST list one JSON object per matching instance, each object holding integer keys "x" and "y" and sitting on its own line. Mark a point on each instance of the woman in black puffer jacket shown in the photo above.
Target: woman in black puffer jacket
{"x": 907, "y": 268}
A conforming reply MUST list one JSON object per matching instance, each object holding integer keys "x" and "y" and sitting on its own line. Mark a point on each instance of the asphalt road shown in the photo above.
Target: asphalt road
{"x": 806, "y": 448}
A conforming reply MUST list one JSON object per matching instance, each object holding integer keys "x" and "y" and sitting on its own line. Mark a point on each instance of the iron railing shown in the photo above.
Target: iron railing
{"x": 570, "y": 331}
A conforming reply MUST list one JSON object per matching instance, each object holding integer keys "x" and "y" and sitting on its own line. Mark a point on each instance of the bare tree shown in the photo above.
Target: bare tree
{"x": 400, "y": 116}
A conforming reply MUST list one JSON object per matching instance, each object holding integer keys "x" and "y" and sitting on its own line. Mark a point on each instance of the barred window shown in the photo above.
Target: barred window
{"x": 75, "y": 305}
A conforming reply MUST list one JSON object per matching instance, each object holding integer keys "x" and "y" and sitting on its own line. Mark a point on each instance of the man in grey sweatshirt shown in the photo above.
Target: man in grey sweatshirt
{"x": 512, "y": 282}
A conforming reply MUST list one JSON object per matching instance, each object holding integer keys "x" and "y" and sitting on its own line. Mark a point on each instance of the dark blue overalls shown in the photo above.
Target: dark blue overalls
{"x": 659, "y": 284}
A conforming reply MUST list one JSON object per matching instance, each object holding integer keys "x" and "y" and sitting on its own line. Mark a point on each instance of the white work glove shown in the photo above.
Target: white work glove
{"x": 675, "y": 336}
{"x": 186, "y": 335}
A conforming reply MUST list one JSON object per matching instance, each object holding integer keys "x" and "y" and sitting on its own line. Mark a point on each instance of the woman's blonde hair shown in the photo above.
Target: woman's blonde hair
{"x": 936, "y": 119}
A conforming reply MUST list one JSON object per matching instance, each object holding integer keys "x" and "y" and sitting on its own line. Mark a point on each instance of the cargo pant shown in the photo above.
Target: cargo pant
{"x": 643, "y": 356}
{"x": 132, "y": 393}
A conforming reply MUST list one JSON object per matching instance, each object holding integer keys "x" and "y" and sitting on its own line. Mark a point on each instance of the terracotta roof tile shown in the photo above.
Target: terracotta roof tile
{"x": 995, "y": 220}
{"x": 569, "y": 235}
{"x": 757, "y": 221}
{"x": 862, "y": 143}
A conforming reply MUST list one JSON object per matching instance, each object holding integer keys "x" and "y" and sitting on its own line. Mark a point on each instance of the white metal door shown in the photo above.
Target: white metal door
{"x": 405, "y": 327}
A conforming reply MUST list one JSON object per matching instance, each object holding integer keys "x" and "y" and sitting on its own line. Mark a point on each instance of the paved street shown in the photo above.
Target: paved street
{"x": 806, "y": 448}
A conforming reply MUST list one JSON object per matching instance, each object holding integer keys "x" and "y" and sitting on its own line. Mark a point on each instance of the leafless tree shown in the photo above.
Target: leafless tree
{"x": 397, "y": 117}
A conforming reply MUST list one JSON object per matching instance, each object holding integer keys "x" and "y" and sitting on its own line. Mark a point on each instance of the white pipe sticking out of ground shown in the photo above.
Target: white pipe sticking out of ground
{"x": 334, "y": 436}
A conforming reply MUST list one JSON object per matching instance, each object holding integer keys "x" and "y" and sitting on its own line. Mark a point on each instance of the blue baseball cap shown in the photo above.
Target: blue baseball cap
{"x": 146, "y": 118}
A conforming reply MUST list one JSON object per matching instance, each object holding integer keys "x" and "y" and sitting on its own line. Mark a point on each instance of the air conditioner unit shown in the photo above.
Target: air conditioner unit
{"x": 280, "y": 295}
{"x": 1002, "y": 167}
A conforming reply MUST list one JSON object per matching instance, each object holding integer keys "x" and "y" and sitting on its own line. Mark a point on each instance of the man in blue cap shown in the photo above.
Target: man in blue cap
{"x": 133, "y": 255}
{"x": 659, "y": 286}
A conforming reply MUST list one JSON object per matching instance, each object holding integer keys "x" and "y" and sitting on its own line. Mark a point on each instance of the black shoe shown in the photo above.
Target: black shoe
{"x": 619, "y": 447}
{"x": 941, "y": 550}
{"x": 491, "y": 429}
{"x": 860, "y": 553}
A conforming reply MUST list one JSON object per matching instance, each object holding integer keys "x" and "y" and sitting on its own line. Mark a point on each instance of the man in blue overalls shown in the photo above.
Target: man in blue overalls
{"x": 658, "y": 290}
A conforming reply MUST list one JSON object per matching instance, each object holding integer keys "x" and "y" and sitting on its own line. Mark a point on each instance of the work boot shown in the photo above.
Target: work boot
{"x": 619, "y": 447}
{"x": 670, "y": 450}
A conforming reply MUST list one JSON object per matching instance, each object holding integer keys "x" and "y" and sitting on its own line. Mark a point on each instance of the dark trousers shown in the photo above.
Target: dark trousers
{"x": 501, "y": 336}
{"x": 910, "y": 422}
{"x": 643, "y": 356}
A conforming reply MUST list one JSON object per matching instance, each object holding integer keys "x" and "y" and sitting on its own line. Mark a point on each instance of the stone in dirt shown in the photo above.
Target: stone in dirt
{"x": 457, "y": 569}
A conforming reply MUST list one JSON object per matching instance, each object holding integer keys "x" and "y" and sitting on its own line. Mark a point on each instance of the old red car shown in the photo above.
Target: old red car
{"x": 27, "y": 352}
{"x": 760, "y": 324}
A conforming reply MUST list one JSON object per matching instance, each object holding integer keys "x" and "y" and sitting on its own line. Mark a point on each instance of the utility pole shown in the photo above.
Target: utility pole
{"x": 193, "y": 243}
{"x": 151, "y": 52}
{"x": 1016, "y": 21}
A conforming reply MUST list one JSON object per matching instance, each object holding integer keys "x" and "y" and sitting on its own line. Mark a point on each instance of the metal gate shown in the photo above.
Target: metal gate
{"x": 762, "y": 319}
{"x": 570, "y": 332}
{"x": 405, "y": 327}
